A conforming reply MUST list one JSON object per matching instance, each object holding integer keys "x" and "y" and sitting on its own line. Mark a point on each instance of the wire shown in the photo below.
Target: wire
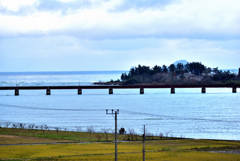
{"x": 52, "y": 109}
{"x": 174, "y": 117}
{"x": 144, "y": 113}
{"x": 124, "y": 111}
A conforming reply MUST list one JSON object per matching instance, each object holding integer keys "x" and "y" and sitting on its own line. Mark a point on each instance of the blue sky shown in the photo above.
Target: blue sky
{"x": 93, "y": 35}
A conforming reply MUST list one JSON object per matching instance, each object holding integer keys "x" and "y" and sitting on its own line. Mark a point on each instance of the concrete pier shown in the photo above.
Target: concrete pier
{"x": 110, "y": 91}
{"x": 172, "y": 90}
{"x": 141, "y": 90}
{"x": 79, "y": 91}
{"x": 203, "y": 90}
{"x": 48, "y": 92}
{"x": 16, "y": 92}
{"x": 234, "y": 90}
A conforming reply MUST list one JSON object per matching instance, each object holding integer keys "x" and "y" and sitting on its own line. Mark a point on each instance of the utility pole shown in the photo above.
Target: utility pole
{"x": 116, "y": 112}
{"x": 144, "y": 143}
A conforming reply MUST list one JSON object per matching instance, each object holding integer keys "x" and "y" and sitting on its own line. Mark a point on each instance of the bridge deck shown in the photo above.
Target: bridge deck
{"x": 111, "y": 87}
{"x": 115, "y": 87}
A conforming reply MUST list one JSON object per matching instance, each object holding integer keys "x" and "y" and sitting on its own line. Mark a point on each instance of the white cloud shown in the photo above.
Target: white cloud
{"x": 198, "y": 18}
{"x": 66, "y": 1}
{"x": 115, "y": 35}
{"x": 15, "y": 5}
{"x": 68, "y": 53}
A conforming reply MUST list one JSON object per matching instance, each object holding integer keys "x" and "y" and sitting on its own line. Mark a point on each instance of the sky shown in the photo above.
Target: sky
{"x": 108, "y": 35}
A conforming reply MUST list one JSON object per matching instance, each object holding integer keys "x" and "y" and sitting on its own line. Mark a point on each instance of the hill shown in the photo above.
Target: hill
{"x": 184, "y": 62}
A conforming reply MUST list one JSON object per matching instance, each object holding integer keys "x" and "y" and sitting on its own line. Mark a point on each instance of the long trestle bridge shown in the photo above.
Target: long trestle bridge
{"x": 111, "y": 87}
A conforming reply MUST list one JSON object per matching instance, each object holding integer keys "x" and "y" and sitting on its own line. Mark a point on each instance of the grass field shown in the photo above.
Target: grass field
{"x": 73, "y": 136}
{"x": 167, "y": 150}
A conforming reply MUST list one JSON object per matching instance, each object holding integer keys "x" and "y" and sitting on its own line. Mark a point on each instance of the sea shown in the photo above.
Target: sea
{"x": 188, "y": 113}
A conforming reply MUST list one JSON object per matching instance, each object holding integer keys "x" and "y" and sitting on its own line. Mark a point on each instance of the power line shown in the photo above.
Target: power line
{"x": 49, "y": 109}
{"x": 173, "y": 117}
{"x": 163, "y": 117}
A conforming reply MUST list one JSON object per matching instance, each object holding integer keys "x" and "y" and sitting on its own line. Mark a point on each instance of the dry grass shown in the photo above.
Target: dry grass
{"x": 155, "y": 150}
{"x": 167, "y": 150}
{"x": 161, "y": 156}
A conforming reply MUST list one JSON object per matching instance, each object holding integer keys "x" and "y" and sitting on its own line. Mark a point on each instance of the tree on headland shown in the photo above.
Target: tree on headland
{"x": 215, "y": 70}
{"x": 157, "y": 69}
{"x": 195, "y": 68}
{"x": 196, "y": 73}
{"x": 180, "y": 68}
{"x": 172, "y": 68}
{"x": 223, "y": 76}
{"x": 165, "y": 70}
{"x": 124, "y": 76}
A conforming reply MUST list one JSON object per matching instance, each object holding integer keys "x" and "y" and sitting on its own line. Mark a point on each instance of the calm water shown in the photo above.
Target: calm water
{"x": 188, "y": 113}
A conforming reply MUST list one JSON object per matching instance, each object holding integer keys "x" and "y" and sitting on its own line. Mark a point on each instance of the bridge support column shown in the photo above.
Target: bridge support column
{"x": 172, "y": 90}
{"x": 141, "y": 90}
{"x": 79, "y": 91}
{"x": 16, "y": 92}
{"x": 234, "y": 90}
{"x": 48, "y": 92}
{"x": 203, "y": 90}
{"x": 110, "y": 91}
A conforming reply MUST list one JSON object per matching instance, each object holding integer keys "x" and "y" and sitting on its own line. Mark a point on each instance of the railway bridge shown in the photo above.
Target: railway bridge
{"x": 112, "y": 87}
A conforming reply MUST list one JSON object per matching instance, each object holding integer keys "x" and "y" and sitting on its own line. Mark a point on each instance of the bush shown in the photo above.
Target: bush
{"x": 122, "y": 131}
{"x": 223, "y": 76}
{"x": 90, "y": 129}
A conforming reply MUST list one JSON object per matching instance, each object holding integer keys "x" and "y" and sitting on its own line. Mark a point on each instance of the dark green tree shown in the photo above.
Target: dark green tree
{"x": 215, "y": 70}
{"x": 157, "y": 69}
{"x": 124, "y": 77}
{"x": 172, "y": 68}
{"x": 195, "y": 68}
{"x": 180, "y": 68}
{"x": 223, "y": 76}
{"x": 164, "y": 69}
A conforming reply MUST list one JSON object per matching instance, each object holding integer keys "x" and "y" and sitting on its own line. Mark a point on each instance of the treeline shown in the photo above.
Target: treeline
{"x": 141, "y": 74}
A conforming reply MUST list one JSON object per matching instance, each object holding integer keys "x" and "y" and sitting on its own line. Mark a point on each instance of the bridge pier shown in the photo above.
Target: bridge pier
{"x": 16, "y": 92}
{"x": 234, "y": 90}
{"x": 203, "y": 90}
{"x": 48, "y": 92}
{"x": 141, "y": 90}
{"x": 79, "y": 91}
{"x": 172, "y": 90}
{"x": 110, "y": 91}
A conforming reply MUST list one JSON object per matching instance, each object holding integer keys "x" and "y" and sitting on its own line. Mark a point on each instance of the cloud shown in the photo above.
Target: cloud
{"x": 117, "y": 34}
{"x": 13, "y": 5}
{"x": 143, "y": 4}
{"x": 107, "y": 20}
{"x": 61, "y": 53}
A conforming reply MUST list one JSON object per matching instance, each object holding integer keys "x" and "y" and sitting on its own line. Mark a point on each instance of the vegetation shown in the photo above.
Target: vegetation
{"x": 191, "y": 73}
{"x": 184, "y": 149}
{"x": 72, "y": 136}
